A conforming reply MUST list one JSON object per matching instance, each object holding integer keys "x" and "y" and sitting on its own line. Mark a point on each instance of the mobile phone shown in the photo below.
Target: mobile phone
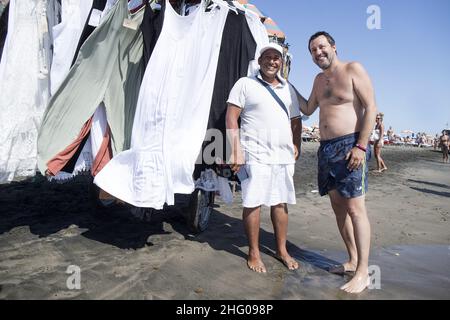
{"x": 242, "y": 174}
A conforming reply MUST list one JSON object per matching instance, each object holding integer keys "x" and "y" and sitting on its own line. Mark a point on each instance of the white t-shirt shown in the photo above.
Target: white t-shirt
{"x": 266, "y": 134}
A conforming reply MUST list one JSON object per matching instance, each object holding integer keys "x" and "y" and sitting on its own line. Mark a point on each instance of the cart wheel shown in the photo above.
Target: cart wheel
{"x": 199, "y": 210}
{"x": 96, "y": 202}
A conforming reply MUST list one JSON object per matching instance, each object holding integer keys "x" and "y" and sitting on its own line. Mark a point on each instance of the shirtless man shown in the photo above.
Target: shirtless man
{"x": 347, "y": 114}
{"x": 445, "y": 142}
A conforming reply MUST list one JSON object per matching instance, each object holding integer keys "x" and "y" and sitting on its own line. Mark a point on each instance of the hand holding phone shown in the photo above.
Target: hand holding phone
{"x": 242, "y": 174}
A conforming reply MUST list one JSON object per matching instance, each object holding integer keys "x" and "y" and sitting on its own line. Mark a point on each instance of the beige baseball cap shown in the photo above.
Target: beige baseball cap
{"x": 274, "y": 46}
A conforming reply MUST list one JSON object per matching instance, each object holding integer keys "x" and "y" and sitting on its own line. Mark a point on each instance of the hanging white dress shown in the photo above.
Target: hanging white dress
{"x": 24, "y": 87}
{"x": 172, "y": 112}
{"x": 66, "y": 36}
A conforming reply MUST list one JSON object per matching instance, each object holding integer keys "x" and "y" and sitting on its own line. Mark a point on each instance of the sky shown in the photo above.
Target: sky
{"x": 407, "y": 57}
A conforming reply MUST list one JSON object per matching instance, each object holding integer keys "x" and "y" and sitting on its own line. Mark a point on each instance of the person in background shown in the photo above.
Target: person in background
{"x": 390, "y": 134}
{"x": 378, "y": 143}
{"x": 436, "y": 142}
{"x": 444, "y": 143}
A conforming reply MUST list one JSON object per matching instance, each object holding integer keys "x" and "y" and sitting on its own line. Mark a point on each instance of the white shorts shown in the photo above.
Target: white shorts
{"x": 268, "y": 185}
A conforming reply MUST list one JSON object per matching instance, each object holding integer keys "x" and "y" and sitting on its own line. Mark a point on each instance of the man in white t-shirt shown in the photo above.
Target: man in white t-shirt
{"x": 265, "y": 148}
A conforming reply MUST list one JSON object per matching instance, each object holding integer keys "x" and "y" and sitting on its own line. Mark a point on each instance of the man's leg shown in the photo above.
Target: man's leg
{"x": 251, "y": 220}
{"x": 345, "y": 227}
{"x": 279, "y": 216}
{"x": 356, "y": 209}
{"x": 377, "y": 151}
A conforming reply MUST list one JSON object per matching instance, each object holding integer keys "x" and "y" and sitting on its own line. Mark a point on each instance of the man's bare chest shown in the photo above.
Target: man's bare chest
{"x": 335, "y": 90}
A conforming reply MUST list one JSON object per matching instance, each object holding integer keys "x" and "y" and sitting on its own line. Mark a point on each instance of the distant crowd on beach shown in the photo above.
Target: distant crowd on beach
{"x": 420, "y": 139}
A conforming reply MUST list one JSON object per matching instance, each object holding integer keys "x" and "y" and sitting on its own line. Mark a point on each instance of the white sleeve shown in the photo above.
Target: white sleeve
{"x": 259, "y": 33}
{"x": 294, "y": 108}
{"x": 237, "y": 94}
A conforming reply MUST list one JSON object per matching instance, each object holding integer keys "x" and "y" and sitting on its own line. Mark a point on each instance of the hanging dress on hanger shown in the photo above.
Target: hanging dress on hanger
{"x": 92, "y": 13}
{"x": 172, "y": 112}
{"x": 24, "y": 87}
{"x": 108, "y": 69}
{"x": 66, "y": 36}
{"x": 236, "y": 51}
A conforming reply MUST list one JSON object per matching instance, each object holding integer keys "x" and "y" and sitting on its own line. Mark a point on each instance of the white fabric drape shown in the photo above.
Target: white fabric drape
{"x": 66, "y": 36}
{"x": 259, "y": 33}
{"x": 24, "y": 86}
{"x": 172, "y": 112}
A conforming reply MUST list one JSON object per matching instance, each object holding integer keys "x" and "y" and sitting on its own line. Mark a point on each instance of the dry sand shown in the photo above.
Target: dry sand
{"x": 45, "y": 227}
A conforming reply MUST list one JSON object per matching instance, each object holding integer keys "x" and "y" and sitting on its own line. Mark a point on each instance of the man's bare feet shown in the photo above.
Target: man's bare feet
{"x": 256, "y": 265}
{"x": 343, "y": 268}
{"x": 383, "y": 169}
{"x": 288, "y": 261}
{"x": 359, "y": 282}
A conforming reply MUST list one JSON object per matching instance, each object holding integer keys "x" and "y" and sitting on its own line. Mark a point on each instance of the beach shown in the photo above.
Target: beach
{"x": 46, "y": 227}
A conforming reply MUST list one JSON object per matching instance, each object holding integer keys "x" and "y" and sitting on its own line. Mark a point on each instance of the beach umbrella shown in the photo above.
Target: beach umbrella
{"x": 407, "y": 131}
{"x": 273, "y": 29}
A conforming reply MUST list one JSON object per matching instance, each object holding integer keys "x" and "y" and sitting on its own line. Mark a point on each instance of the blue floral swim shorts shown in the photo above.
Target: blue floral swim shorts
{"x": 333, "y": 172}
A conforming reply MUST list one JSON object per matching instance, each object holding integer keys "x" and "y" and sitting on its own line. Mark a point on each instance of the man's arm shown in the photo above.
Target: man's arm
{"x": 364, "y": 90}
{"x": 307, "y": 107}
{"x": 296, "y": 127}
{"x": 237, "y": 157}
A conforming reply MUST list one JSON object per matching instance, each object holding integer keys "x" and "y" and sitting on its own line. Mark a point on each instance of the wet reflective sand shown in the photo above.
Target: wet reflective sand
{"x": 400, "y": 272}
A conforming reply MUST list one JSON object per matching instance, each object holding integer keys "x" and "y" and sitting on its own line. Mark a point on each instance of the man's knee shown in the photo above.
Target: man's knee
{"x": 356, "y": 209}
{"x": 248, "y": 211}
{"x": 351, "y": 206}
{"x": 277, "y": 209}
{"x": 279, "y": 206}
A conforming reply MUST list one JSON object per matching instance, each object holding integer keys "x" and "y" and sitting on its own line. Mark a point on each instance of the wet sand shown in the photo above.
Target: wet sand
{"x": 45, "y": 227}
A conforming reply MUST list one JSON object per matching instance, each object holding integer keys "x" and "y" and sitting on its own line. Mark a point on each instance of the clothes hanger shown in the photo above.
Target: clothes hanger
{"x": 222, "y": 3}
{"x": 241, "y": 9}
{"x": 135, "y": 6}
{"x": 155, "y": 5}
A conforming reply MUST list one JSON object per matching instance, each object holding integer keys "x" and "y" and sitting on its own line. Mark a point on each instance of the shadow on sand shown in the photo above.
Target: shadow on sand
{"x": 47, "y": 208}
{"x": 439, "y": 185}
{"x": 437, "y": 193}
